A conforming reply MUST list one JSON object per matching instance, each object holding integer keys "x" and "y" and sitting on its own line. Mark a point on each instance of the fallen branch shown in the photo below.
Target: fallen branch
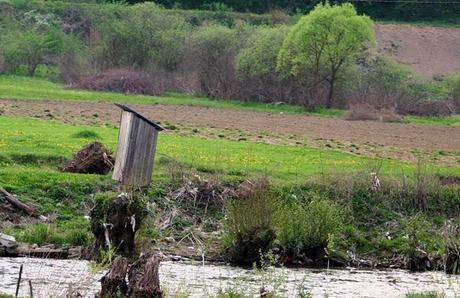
{"x": 20, "y": 205}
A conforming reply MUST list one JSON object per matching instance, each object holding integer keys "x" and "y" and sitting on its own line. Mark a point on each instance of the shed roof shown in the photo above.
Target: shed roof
{"x": 128, "y": 109}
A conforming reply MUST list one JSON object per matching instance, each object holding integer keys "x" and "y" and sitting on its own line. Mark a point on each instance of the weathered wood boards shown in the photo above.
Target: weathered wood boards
{"x": 136, "y": 148}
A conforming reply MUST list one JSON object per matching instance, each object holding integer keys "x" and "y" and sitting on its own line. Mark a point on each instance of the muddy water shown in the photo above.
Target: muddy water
{"x": 52, "y": 278}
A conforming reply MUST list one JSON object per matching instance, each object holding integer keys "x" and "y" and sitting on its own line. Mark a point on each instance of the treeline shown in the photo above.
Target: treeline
{"x": 146, "y": 49}
{"x": 422, "y": 10}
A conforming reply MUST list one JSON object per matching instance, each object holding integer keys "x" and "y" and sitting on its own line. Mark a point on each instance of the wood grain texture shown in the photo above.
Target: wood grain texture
{"x": 135, "y": 152}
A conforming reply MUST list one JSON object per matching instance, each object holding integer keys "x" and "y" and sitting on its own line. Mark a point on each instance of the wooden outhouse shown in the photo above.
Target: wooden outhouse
{"x": 137, "y": 139}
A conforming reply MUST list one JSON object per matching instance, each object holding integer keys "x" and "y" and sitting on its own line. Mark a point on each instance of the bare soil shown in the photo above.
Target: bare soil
{"x": 397, "y": 140}
{"x": 427, "y": 50}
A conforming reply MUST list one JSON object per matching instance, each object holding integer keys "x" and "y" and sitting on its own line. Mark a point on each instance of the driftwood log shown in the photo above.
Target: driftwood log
{"x": 20, "y": 205}
{"x": 143, "y": 278}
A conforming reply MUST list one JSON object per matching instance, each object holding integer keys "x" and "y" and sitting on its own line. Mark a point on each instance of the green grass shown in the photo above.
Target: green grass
{"x": 32, "y": 149}
{"x": 41, "y": 144}
{"x": 444, "y": 121}
{"x": 17, "y": 87}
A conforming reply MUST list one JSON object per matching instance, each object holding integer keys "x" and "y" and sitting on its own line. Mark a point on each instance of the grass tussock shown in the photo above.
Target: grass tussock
{"x": 63, "y": 234}
{"x": 86, "y": 134}
{"x": 249, "y": 225}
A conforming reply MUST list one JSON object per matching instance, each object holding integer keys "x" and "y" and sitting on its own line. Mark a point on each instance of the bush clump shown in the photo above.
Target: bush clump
{"x": 122, "y": 80}
{"x": 249, "y": 225}
{"x": 256, "y": 222}
{"x": 305, "y": 228}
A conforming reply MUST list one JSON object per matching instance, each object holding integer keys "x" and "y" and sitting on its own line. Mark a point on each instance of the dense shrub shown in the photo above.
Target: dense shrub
{"x": 453, "y": 85}
{"x": 144, "y": 34}
{"x": 256, "y": 69}
{"x": 122, "y": 80}
{"x": 304, "y": 228}
{"x": 386, "y": 86}
{"x": 210, "y": 52}
{"x": 259, "y": 57}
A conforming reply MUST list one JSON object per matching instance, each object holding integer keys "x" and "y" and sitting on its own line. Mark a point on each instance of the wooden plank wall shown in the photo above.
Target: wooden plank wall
{"x": 123, "y": 143}
{"x": 136, "y": 149}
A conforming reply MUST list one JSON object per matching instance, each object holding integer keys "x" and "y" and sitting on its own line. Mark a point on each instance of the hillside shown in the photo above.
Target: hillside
{"x": 427, "y": 50}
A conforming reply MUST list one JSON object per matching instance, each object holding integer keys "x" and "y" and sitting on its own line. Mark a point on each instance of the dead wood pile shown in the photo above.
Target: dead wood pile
{"x": 93, "y": 158}
{"x": 202, "y": 193}
{"x": 191, "y": 199}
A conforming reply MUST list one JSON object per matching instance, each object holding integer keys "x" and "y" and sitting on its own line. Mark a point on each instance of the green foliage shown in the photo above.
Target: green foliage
{"x": 323, "y": 43}
{"x": 218, "y": 6}
{"x": 144, "y": 35}
{"x": 86, "y": 134}
{"x": 422, "y": 234}
{"x": 259, "y": 58}
{"x": 231, "y": 293}
{"x": 31, "y": 48}
{"x": 217, "y": 39}
{"x": 102, "y": 202}
{"x": 390, "y": 76}
{"x": 65, "y": 233}
{"x": 303, "y": 227}
{"x": 452, "y": 83}
{"x": 249, "y": 226}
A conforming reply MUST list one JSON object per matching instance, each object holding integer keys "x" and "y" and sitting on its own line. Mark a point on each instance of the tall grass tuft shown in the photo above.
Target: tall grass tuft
{"x": 249, "y": 224}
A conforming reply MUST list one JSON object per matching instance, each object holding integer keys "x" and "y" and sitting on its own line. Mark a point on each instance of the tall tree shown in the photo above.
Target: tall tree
{"x": 323, "y": 43}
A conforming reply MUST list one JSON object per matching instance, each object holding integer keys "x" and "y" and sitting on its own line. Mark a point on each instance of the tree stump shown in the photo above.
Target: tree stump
{"x": 116, "y": 226}
{"x": 113, "y": 284}
{"x": 143, "y": 277}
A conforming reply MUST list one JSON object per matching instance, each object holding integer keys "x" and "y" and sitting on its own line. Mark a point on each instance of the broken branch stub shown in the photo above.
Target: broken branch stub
{"x": 143, "y": 277}
{"x": 113, "y": 284}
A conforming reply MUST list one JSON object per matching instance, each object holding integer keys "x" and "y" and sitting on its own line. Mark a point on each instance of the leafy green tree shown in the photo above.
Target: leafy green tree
{"x": 323, "y": 43}
{"x": 259, "y": 57}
